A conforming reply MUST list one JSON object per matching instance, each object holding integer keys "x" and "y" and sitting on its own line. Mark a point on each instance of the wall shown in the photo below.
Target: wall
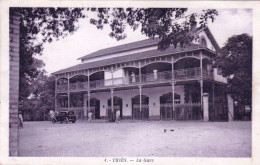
{"x": 127, "y": 95}
{"x": 218, "y": 77}
{"x": 14, "y": 83}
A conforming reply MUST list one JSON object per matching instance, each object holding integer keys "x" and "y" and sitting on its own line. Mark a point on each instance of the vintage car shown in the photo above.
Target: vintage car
{"x": 65, "y": 116}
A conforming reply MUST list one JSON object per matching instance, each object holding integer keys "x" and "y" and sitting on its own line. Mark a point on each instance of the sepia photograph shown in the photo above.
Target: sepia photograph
{"x": 129, "y": 84}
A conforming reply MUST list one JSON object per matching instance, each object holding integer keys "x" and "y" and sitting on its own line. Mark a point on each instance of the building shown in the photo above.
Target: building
{"x": 146, "y": 83}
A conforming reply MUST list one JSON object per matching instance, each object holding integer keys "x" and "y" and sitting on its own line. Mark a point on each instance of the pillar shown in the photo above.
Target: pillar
{"x": 14, "y": 43}
{"x": 112, "y": 101}
{"x": 173, "y": 99}
{"x": 140, "y": 100}
{"x": 88, "y": 97}
{"x": 88, "y": 109}
{"x": 230, "y": 107}
{"x": 201, "y": 82}
{"x": 68, "y": 93}
{"x": 55, "y": 95}
{"x": 85, "y": 105}
{"x": 205, "y": 105}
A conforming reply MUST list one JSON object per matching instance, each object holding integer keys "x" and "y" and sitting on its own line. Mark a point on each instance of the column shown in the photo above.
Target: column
{"x": 213, "y": 95}
{"x": 88, "y": 102}
{"x": 68, "y": 93}
{"x": 230, "y": 107}
{"x": 88, "y": 95}
{"x": 205, "y": 107}
{"x": 55, "y": 95}
{"x": 140, "y": 73}
{"x": 140, "y": 99}
{"x": 172, "y": 68}
{"x": 112, "y": 101}
{"x": 201, "y": 82}
{"x": 173, "y": 99}
{"x": 85, "y": 105}
{"x": 173, "y": 89}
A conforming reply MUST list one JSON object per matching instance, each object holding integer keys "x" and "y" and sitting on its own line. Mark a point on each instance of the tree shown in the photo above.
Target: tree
{"x": 37, "y": 26}
{"x": 235, "y": 62}
{"x": 41, "y": 99}
{"x": 172, "y": 25}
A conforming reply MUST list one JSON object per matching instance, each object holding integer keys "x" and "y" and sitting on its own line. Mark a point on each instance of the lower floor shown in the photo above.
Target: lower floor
{"x": 177, "y": 101}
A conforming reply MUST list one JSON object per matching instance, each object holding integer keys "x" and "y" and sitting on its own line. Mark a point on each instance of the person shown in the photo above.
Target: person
{"x": 90, "y": 115}
{"x": 20, "y": 119}
{"x": 117, "y": 115}
{"x": 155, "y": 74}
{"x": 133, "y": 77}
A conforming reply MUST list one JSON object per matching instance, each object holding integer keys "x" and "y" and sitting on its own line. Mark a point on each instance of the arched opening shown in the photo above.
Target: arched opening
{"x": 187, "y": 63}
{"x": 131, "y": 75}
{"x": 97, "y": 79}
{"x": 144, "y": 113}
{"x": 78, "y": 82}
{"x": 62, "y": 85}
{"x": 207, "y": 67}
{"x": 62, "y": 81}
{"x": 95, "y": 107}
{"x": 166, "y": 106}
{"x": 157, "y": 72}
{"x": 187, "y": 68}
{"x": 78, "y": 78}
{"x": 118, "y": 105}
{"x": 62, "y": 101}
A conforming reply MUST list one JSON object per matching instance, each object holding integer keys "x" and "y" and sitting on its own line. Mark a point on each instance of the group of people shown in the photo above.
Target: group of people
{"x": 155, "y": 75}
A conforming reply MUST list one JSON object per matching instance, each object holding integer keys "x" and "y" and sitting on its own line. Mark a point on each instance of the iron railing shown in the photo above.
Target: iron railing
{"x": 166, "y": 76}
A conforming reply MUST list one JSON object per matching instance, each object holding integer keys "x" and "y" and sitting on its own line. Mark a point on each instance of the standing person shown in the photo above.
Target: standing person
{"x": 155, "y": 74}
{"x": 52, "y": 115}
{"x": 117, "y": 115}
{"x": 20, "y": 119}
{"x": 90, "y": 115}
{"x": 133, "y": 77}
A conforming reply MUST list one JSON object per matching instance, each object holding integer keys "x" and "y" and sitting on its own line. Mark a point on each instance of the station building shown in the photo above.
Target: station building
{"x": 145, "y": 83}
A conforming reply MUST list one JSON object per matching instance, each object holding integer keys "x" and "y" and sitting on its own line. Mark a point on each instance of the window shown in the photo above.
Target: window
{"x": 203, "y": 41}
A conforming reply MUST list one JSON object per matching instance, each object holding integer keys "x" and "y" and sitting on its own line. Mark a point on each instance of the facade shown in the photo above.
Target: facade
{"x": 145, "y": 83}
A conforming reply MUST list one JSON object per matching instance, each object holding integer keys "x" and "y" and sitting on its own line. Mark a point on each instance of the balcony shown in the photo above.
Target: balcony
{"x": 160, "y": 77}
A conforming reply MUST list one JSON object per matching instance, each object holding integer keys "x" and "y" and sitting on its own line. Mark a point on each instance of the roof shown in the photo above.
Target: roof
{"x": 121, "y": 48}
{"x": 211, "y": 37}
{"x": 131, "y": 57}
{"x": 140, "y": 44}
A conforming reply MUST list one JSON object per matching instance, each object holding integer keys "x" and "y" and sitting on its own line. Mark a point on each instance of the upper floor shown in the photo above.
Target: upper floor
{"x": 141, "y": 63}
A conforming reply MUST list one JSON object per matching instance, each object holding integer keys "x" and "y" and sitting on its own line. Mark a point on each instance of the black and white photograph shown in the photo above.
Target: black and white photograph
{"x": 130, "y": 84}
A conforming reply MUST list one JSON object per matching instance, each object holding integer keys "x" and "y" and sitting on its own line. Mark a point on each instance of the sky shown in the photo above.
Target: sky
{"x": 64, "y": 53}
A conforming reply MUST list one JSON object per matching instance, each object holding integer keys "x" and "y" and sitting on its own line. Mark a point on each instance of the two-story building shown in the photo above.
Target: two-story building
{"x": 147, "y": 83}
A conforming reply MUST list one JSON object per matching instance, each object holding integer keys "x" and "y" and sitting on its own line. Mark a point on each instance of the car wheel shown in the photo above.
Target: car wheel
{"x": 73, "y": 121}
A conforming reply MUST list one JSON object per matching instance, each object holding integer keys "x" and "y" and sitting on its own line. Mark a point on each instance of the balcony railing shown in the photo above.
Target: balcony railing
{"x": 177, "y": 75}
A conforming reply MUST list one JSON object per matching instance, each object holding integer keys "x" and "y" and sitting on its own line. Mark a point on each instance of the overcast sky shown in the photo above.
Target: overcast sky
{"x": 87, "y": 39}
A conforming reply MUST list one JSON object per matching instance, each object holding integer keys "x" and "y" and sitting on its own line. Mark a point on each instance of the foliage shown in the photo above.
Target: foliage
{"x": 235, "y": 62}
{"x": 42, "y": 98}
{"x": 172, "y": 25}
{"x": 37, "y": 26}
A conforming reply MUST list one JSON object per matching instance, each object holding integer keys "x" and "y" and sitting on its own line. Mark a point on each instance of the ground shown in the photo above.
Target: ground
{"x": 136, "y": 138}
